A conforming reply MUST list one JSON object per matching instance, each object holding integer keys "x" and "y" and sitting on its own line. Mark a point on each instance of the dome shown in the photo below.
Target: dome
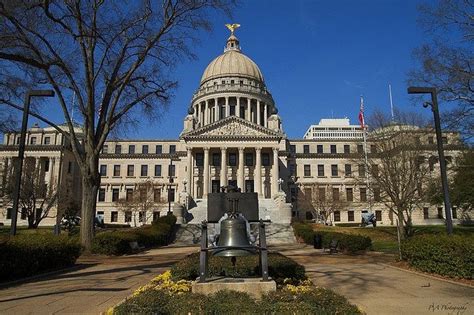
{"x": 232, "y": 63}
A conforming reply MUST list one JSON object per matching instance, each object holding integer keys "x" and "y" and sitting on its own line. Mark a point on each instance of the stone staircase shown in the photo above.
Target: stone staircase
{"x": 279, "y": 231}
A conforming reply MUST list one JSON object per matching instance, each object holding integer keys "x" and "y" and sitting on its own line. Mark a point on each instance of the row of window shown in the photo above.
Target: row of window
{"x": 351, "y": 218}
{"x": 332, "y": 149}
{"x": 440, "y": 213}
{"x": 232, "y": 159}
{"x": 128, "y": 216}
{"x": 137, "y": 195}
{"x": 116, "y": 171}
{"x": 145, "y": 149}
{"x": 335, "y": 194}
{"x": 334, "y": 170}
{"x": 34, "y": 140}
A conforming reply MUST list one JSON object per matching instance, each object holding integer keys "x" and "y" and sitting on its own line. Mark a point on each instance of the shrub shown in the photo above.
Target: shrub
{"x": 118, "y": 242}
{"x": 351, "y": 243}
{"x": 26, "y": 255}
{"x": 447, "y": 255}
{"x": 279, "y": 267}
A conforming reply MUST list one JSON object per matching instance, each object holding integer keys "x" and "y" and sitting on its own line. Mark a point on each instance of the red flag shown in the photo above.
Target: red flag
{"x": 361, "y": 113}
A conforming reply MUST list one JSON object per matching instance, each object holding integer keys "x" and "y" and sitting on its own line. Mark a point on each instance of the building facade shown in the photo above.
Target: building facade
{"x": 232, "y": 135}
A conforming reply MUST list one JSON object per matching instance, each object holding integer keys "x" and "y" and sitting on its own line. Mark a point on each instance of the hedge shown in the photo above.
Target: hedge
{"x": 279, "y": 267}
{"x": 447, "y": 255}
{"x": 351, "y": 243}
{"x": 315, "y": 301}
{"x": 118, "y": 242}
{"x": 27, "y": 255}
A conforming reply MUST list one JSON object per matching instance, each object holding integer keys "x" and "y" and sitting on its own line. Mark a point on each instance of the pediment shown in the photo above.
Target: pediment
{"x": 232, "y": 128}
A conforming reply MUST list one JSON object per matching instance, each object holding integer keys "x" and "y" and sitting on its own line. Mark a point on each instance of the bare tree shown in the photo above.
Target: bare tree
{"x": 36, "y": 197}
{"x": 322, "y": 201}
{"x": 447, "y": 61}
{"x": 397, "y": 167}
{"x": 115, "y": 56}
{"x": 140, "y": 202}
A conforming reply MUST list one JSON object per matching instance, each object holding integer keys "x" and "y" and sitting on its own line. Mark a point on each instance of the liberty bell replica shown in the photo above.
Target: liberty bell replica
{"x": 233, "y": 239}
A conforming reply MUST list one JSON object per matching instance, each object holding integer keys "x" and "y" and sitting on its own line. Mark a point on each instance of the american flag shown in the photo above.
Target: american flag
{"x": 361, "y": 112}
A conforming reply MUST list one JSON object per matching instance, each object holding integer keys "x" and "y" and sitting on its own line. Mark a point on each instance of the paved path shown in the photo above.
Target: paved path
{"x": 380, "y": 289}
{"x": 100, "y": 284}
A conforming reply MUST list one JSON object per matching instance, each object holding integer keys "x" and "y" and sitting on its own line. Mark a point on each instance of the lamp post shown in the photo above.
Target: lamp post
{"x": 21, "y": 152}
{"x": 439, "y": 140}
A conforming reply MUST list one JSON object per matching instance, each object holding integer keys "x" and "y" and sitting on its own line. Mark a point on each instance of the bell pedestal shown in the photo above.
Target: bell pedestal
{"x": 253, "y": 286}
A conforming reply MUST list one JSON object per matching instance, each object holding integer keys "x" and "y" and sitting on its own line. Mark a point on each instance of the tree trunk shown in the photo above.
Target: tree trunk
{"x": 90, "y": 186}
{"x": 401, "y": 229}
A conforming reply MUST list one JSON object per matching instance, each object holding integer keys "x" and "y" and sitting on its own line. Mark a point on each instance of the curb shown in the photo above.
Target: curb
{"x": 428, "y": 276}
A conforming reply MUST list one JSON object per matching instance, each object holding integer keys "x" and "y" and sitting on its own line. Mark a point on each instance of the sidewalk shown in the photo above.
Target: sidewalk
{"x": 100, "y": 284}
{"x": 377, "y": 288}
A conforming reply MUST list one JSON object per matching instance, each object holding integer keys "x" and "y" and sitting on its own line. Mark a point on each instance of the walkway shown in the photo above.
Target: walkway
{"x": 377, "y": 288}
{"x": 101, "y": 283}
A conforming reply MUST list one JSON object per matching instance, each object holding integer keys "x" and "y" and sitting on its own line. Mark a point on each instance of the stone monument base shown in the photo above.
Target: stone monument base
{"x": 255, "y": 287}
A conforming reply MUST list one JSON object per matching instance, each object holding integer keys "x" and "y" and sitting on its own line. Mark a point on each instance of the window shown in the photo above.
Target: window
{"x": 114, "y": 216}
{"x": 444, "y": 140}
{"x": 157, "y": 170}
{"x": 426, "y": 214}
{"x": 320, "y": 170}
{"x": 360, "y": 148}
{"x": 361, "y": 170}
{"x": 308, "y": 193}
{"x": 69, "y": 167}
{"x": 105, "y": 149}
{"x": 144, "y": 170}
{"x": 131, "y": 149}
{"x": 292, "y": 169}
{"x": 455, "y": 213}
{"x": 199, "y": 159}
{"x": 115, "y": 194}
{"x": 9, "y": 213}
{"x": 18, "y": 140}
{"x": 333, "y": 149}
{"x": 130, "y": 170}
{"x": 319, "y": 148}
{"x": 103, "y": 170}
{"x": 141, "y": 216}
{"x": 378, "y": 215}
{"x": 248, "y": 159}
{"x": 116, "y": 170}
{"x": 265, "y": 159}
{"x": 33, "y": 140}
{"x": 350, "y": 216}
{"x": 232, "y": 159}
{"x": 216, "y": 159}
{"x": 430, "y": 140}
{"x": 145, "y": 149}
{"x": 440, "y": 212}
{"x": 335, "y": 194}
{"x": 143, "y": 194}
{"x": 373, "y": 148}
{"x": 129, "y": 194}
{"x": 292, "y": 148}
{"x": 23, "y": 213}
{"x": 363, "y": 194}
{"x": 46, "y": 165}
{"x": 347, "y": 148}
{"x": 47, "y": 140}
{"x": 375, "y": 170}
{"x": 157, "y": 195}
{"x": 307, "y": 170}
{"x": 101, "y": 197}
{"x": 348, "y": 170}
{"x": 172, "y": 149}
{"x": 322, "y": 194}
{"x": 376, "y": 194}
{"x": 128, "y": 216}
{"x": 158, "y": 149}
{"x": 118, "y": 149}
{"x": 334, "y": 170}
{"x": 349, "y": 194}
{"x": 172, "y": 170}
{"x": 337, "y": 216}
{"x": 156, "y": 215}
{"x": 306, "y": 148}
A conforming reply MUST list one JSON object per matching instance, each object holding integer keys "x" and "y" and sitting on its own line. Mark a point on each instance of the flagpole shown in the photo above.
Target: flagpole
{"x": 391, "y": 102}
{"x": 364, "y": 131}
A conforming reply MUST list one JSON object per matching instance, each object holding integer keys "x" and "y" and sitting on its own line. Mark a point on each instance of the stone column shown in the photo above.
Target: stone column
{"x": 275, "y": 173}
{"x": 249, "y": 113}
{"x": 206, "y": 112}
{"x": 258, "y": 112}
{"x": 265, "y": 118}
{"x": 227, "y": 107}
{"x": 258, "y": 171}
{"x": 241, "y": 176}
{"x": 237, "y": 110}
{"x": 51, "y": 168}
{"x": 216, "y": 109}
{"x": 223, "y": 166}
{"x": 190, "y": 170}
{"x": 205, "y": 184}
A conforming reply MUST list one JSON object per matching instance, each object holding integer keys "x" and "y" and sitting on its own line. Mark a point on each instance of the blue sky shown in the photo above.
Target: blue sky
{"x": 317, "y": 58}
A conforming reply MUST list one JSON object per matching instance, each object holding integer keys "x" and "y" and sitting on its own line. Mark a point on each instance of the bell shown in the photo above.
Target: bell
{"x": 234, "y": 233}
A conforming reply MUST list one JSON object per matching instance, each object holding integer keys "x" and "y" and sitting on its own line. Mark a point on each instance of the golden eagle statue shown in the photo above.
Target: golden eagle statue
{"x": 232, "y": 27}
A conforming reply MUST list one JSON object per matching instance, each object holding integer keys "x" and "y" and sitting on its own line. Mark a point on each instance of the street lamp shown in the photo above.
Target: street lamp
{"x": 21, "y": 152}
{"x": 439, "y": 140}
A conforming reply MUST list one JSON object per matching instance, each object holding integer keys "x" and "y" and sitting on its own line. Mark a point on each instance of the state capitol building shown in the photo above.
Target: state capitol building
{"x": 232, "y": 135}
